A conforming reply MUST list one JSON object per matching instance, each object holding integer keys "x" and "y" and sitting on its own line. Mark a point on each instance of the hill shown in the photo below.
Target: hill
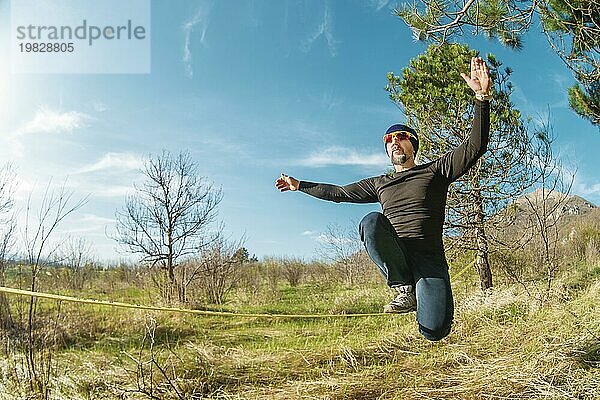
{"x": 562, "y": 204}
{"x": 562, "y": 213}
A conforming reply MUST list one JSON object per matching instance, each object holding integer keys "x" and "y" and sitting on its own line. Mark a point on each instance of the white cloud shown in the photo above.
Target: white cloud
{"x": 45, "y": 121}
{"x": 199, "y": 21}
{"x": 325, "y": 30}
{"x": 50, "y": 121}
{"x": 329, "y": 239}
{"x": 115, "y": 161}
{"x": 344, "y": 156}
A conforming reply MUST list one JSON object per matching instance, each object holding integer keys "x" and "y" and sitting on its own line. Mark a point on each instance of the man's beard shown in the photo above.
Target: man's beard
{"x": 399, "y": 159}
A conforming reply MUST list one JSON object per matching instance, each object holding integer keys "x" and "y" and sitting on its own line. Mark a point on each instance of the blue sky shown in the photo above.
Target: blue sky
{"x": 250, "y": 89}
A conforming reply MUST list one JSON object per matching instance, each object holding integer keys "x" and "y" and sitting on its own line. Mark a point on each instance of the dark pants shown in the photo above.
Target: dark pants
{"x": 412, "y": 262}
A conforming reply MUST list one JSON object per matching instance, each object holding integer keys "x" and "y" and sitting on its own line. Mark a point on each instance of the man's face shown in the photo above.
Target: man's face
{"x": 400, "y": 150}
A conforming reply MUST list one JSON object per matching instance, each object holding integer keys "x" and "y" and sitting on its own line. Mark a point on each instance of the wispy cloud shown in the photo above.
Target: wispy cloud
{"x": 324, "y": 30}
{"x": 344, "y": 156}
{"x": 115, "y": 161}
{"x": 328, "y": 239}
{"x": 326, "y": 100}
{"x": 47, "y": 120}
{"x": 199, "y": 22}
{"x": 324, "y": 238}
{"x": 378, "y": 4}
{"x": 562, "y": 85}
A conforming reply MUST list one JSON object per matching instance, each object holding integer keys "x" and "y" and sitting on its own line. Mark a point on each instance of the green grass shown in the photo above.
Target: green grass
{"x": 503, "y": 345}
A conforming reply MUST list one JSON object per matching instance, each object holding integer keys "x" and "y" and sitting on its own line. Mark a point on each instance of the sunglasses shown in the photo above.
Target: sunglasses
{"x": 402, "y": 135}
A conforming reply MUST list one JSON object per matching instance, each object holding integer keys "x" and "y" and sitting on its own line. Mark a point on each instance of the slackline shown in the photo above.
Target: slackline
{"x": 173, "y": 309}
{"x": 52, "y": 296}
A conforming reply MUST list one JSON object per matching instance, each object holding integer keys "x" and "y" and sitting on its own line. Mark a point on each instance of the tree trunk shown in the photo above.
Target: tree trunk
{"x": 482, "y": 263}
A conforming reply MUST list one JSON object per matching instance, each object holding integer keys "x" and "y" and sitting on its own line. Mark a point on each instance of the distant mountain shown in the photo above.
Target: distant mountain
{"x": 570, "y": 205}
{"x": 567, "y": 213}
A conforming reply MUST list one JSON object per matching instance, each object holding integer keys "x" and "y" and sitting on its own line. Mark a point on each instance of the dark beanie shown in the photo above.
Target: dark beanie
{"x": 414, "y": 138}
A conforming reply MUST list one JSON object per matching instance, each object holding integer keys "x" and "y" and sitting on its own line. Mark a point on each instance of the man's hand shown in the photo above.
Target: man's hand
{"x": 479, "y": 80}
{"x": 285, "y": 183}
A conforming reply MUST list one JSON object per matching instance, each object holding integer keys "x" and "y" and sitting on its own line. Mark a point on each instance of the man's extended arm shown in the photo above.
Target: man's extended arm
{"x": 358, "y": 192}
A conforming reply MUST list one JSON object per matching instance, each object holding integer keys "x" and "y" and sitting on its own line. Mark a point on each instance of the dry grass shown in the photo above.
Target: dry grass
{"x": 503, "y": 346}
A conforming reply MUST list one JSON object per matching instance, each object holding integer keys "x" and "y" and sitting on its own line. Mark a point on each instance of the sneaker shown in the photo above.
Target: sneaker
{"x": 406, "y": 301}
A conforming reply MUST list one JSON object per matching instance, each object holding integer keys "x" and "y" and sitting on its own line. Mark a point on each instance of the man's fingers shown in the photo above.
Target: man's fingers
{"x": 475, "y": 67}
{"x": 479, "y": 79}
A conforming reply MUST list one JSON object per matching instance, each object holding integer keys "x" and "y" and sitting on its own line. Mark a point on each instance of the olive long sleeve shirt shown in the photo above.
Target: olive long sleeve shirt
{"x": 414, "y": 200}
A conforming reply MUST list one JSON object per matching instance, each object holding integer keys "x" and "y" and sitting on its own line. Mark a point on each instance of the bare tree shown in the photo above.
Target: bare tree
{"x": 77, "y": 256}
{"x": 293, "y": 270}
{"x": 218, "y": 268}
{"x": 55, "y": 206}
{"x": 272, "y": 272}
{"x": 546, "y": 208}
{"x": 342, "y": 247}
{"x": 7, "y": 235}
{"x": 152, "y": 378}
{"x": 167, "y": 218}
{"x": 533, "y": 222}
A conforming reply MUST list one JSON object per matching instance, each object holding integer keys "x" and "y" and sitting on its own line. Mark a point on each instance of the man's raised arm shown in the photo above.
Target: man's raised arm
{"x": 454, "y": 164}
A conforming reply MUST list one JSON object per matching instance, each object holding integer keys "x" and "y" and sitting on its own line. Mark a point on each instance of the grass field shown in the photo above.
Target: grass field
{"x": 503, "y": 346}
